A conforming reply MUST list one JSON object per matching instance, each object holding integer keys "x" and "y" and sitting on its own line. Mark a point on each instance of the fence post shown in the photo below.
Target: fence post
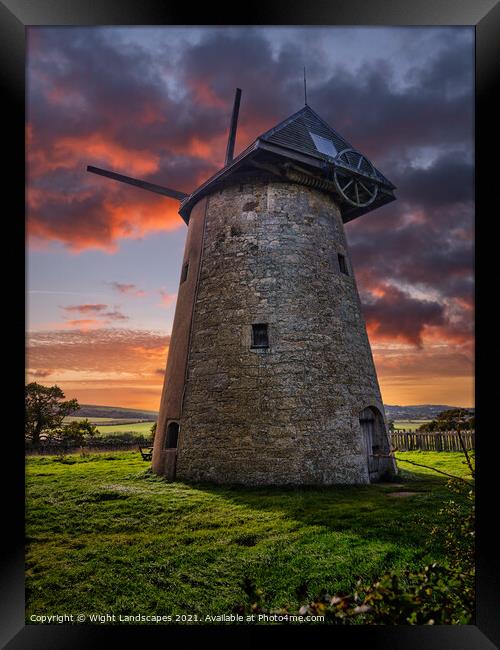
{"x": 405, "y": 440}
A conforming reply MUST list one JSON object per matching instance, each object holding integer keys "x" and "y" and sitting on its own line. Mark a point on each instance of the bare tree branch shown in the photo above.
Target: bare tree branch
{"x": 466, "y": 453}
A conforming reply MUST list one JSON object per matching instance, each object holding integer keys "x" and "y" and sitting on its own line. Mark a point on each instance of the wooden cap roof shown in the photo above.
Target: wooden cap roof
{"x": 304, "y": 138}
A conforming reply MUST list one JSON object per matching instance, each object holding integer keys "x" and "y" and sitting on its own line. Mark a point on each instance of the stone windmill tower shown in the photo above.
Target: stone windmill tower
{"x": 270, "y": 377}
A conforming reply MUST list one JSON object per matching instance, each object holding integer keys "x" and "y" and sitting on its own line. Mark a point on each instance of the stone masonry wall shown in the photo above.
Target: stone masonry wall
{"x": 290, "y": 413}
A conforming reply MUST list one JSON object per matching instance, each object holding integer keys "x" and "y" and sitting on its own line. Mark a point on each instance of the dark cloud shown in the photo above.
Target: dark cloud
{"x": 425, "y": 238}
{"x": 412, "y": 253}
{"x": 101, "y": 312}
{"x": 449, "y": 179}
{"x": 130, "y": 289}
{"x": 396, "y": 315}
{"x": 434, "y": 108}
{"x": 115, "y": 315}
{"x": 96, "y": 99}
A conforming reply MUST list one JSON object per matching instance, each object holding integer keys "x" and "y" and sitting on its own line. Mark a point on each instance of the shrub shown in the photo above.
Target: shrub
{"x": 451, "y": 420}
{"x": 126, "y": 437}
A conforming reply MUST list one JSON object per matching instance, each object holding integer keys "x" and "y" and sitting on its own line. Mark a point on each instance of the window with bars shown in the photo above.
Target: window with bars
{"x": 260, "y": 337}
{"x": 343, "y": 264}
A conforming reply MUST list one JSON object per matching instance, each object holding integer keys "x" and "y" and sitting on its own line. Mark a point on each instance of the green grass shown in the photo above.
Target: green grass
{"x": 139, "y": 428}
{"x": 98, "y": 420}
{"x": 106, "y": 426}
{"x": 409, "y": 425}
{"x": 106, "y": 536}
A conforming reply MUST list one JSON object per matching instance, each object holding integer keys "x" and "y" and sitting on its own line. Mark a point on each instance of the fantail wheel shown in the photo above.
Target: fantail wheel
{"x": 359, "y": 191}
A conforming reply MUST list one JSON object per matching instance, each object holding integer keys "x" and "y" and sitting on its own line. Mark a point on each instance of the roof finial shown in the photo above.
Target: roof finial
{"x": 305, "y": 87}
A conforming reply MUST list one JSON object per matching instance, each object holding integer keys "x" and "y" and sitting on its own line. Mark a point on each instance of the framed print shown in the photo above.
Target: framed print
{"x": 252, "y": 269}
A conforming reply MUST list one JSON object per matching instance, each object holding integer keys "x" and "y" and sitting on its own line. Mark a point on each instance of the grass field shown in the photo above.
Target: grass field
{"x": 139, "y": 428}
{"x": 70, "y": 418}
{"x": 106, "y": 536}
{"x": 106, "y": 426}
{"x": 409, "y": 425}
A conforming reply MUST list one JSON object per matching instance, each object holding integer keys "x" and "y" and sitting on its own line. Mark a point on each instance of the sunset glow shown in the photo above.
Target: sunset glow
{"x": 104, "y": 258}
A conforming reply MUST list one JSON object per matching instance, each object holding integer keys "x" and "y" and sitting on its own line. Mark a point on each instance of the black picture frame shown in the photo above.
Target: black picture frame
{"x": 15, "y": 16}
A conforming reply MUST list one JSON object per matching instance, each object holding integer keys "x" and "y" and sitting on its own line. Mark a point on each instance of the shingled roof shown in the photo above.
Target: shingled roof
{"x": 303, "y": 136}
{"x": 297, "y": 131}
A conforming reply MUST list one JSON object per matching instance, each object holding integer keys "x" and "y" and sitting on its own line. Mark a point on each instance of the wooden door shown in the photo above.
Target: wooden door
{"x": 368, "y": 429}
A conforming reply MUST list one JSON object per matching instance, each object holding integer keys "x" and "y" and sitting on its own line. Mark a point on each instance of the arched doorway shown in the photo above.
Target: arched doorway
{"x": 172, "y": 435}
{"x": 376, "y": 441}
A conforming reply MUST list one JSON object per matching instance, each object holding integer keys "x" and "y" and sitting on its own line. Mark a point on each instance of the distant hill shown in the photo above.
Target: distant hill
{"x": 117, "y": 412}
{"x": 418, "y": 412}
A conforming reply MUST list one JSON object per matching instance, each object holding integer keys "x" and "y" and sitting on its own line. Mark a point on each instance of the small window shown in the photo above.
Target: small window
{"x": 260, "y": 337}
{"x": 324, "y": 145}
{"x": 343, "y": 264}
{"x": 172, "y": 435}
{"x": 184, "y": 273}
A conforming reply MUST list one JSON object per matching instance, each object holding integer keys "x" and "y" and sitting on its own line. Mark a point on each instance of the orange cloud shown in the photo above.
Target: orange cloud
{"x": 104, "y": 224}
{"x": 84, "y": 323}
{"x": 450, "y": 335}
{"x": 407, "y": 390}
{"x": 101, "y": 366}
{"x": 204, "y": 93}
{"x": 136, "y": 218}
{"x": 167, "y": 299}
{"x": 435, "y": 374}
{"x": 71, "y": 150}
{"x": 120, "y": 350}
{"x": 125, "y": 368}
{"x": 151, "y": 354}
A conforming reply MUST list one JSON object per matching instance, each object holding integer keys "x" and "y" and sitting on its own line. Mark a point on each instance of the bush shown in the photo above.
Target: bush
{"x": 435, "y": 595}
{"x": 451, "y": 420}
{"x": 126, "y": 437}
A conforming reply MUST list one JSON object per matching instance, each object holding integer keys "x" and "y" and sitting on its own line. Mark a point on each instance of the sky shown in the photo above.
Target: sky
{"x": 103, "y": 258}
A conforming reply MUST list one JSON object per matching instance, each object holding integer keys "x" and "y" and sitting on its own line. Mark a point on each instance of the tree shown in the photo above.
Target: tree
{"x": 45, "y": 410}
{"x": 451, "y": 420}
{"x": 77, "y": 432}
{"x": 153, "y": 432}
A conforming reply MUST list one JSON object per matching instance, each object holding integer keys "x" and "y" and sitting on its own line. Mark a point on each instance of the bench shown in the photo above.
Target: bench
{"x": 146, "y": 452}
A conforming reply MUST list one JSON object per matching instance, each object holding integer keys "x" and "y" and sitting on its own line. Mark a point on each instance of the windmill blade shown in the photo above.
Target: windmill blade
{"x": 151, "y": 187}
{"x": 232, "y": 128}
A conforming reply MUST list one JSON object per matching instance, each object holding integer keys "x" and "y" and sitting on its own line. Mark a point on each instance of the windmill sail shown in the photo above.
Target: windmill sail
{"x": 232, "y": 128}
{"x": 150, "y": 187}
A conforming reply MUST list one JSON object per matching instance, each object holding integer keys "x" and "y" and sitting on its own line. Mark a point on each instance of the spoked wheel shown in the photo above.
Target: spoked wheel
{"x": 357, "y": 191}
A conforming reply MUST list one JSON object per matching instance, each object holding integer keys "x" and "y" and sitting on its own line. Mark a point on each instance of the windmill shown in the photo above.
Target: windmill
{"x": 270, "y": 377}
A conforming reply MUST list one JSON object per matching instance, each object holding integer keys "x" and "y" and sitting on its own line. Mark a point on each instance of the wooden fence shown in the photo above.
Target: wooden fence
{"x": 431, "y": 440}
{"x": 401, "y": 440}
